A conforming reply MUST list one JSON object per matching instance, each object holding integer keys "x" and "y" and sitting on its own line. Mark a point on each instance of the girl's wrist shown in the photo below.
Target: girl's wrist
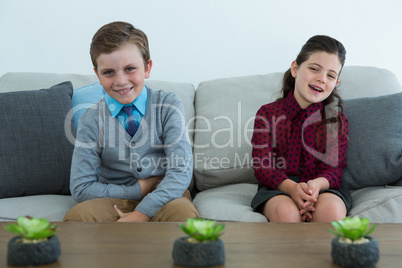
{"x": 323, "y": 183}
{"x": 286, "y": 186}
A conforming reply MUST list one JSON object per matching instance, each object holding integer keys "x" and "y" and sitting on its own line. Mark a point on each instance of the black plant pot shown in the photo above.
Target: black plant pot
{"x": 363, "y": 255}
{"x": 21, "y": 254}
{"x": 187, "y": 253}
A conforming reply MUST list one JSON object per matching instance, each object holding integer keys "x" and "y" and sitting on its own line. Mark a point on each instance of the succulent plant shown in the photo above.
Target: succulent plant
{"x": 32, "y": 230}
{"x": 202, "y": 230}
{"x": 352, "y": 228}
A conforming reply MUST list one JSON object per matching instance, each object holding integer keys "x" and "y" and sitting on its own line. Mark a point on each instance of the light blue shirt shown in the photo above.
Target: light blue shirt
{"x": 140, "y": 103}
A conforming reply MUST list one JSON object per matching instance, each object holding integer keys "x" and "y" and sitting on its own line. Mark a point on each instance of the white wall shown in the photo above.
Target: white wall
{"x": 196, "y": 40}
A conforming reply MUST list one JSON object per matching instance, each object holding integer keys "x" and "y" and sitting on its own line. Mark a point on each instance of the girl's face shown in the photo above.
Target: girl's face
{"x": 122, "y": 73}
{"x": 315, "y": 78}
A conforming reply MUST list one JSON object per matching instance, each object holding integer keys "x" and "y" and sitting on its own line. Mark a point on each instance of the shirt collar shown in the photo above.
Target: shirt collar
{"x": 292, "y": 107}
{"x": 140, "y": 103}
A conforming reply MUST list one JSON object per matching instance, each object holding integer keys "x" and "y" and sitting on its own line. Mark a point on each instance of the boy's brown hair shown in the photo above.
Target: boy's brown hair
{"x": 113, "y": 36}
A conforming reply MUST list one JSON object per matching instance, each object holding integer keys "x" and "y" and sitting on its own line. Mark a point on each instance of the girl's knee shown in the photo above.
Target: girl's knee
{"x": 328, "y": 216}
{"x": 328, "y": 209}
{"x": 282, "y": 212}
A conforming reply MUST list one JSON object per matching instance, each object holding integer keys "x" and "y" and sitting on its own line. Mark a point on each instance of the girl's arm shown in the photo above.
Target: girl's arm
{"x": 265, "y": 169}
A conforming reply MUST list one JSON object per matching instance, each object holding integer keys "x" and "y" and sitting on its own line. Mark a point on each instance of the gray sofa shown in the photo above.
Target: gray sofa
{"x": 36, "y": 141}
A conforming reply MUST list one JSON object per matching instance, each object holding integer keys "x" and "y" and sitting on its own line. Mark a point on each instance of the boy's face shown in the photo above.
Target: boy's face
{"x": 122, "y": 73}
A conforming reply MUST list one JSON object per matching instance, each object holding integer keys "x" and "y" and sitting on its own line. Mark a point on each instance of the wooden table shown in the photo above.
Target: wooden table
{"x": 246, "y": 245}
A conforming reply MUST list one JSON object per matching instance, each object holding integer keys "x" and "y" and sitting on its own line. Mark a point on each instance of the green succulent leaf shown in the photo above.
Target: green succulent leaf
{"x": 335, "y": 233}
{"x": 32, "y": 228}
{"x": 14, "y": 229}
{"x": 202, "y": 230}
{"x": 371, "y": 230}
{"x": 352, "y": 228}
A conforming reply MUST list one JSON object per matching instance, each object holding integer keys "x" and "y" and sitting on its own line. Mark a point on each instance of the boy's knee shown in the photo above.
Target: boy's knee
{"x": 94, "y": 210}
{"x": 177, "y": 210}
{"x": 79, "y": 212}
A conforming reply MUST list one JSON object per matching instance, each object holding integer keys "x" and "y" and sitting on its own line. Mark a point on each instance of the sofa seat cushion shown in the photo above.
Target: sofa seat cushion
{"x": 36, "y": 141}
{"x": 51, "y": 207}
{"x": 374, "y": 155}
{"x": 381, "y": 204}
{"x": 228, "y": 203}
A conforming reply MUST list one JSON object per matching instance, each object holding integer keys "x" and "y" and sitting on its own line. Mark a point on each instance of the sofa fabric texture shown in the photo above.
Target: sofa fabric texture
{"x": 224, "y": 124}
{"x": 220, "y": 119}
{"x": 374, "y": 154}
{"x": 35, "y": 153}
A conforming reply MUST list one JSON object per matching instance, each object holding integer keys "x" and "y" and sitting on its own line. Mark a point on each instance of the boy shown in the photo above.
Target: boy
{"x": 132, "y": 159}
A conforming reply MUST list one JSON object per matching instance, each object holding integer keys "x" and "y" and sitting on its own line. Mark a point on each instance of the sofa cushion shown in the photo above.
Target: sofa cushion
{"x": 374, "y": 156}
{"x": 35, "y": 153}
{"x": 21, "y": 81}
{"x": 228, "y": 203}
{"x": 366, "y": 81}
{"x": 381, "y": 204}
{"x": 51, "y": 207}
{"x": 225, "y": 111}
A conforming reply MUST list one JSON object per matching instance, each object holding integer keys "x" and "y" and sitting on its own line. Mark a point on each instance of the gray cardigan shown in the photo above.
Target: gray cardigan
{"x": 107, "y": 162}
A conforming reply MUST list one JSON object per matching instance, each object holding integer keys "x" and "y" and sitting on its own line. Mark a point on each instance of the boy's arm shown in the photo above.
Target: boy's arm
{"x": 134, "y": 216}
{"x": 86, "y": 159}
{"x": 264, "y": 169}
{"x": 178, "y": 153}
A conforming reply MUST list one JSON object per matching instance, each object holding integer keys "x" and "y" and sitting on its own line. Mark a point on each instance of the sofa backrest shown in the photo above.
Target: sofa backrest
{"x": 26, "y": 80}
{"x": 364, "y": 81}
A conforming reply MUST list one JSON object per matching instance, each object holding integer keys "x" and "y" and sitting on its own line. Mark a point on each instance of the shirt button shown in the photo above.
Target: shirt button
{"x": 139, "y": 169}
{"x": 132, "y": 144}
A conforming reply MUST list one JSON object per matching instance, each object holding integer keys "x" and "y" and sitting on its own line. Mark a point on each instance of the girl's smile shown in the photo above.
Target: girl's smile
{"x": 316, "y": 88}
{"x": 315, "y": 78}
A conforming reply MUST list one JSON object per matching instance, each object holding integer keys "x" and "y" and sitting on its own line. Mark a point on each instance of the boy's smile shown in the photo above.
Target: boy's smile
{"x": 122, "y": 73}
{"x": 316, "y": 78}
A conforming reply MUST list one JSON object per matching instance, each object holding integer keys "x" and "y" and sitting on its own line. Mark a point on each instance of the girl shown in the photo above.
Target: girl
{"x": 307, "y": 129}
